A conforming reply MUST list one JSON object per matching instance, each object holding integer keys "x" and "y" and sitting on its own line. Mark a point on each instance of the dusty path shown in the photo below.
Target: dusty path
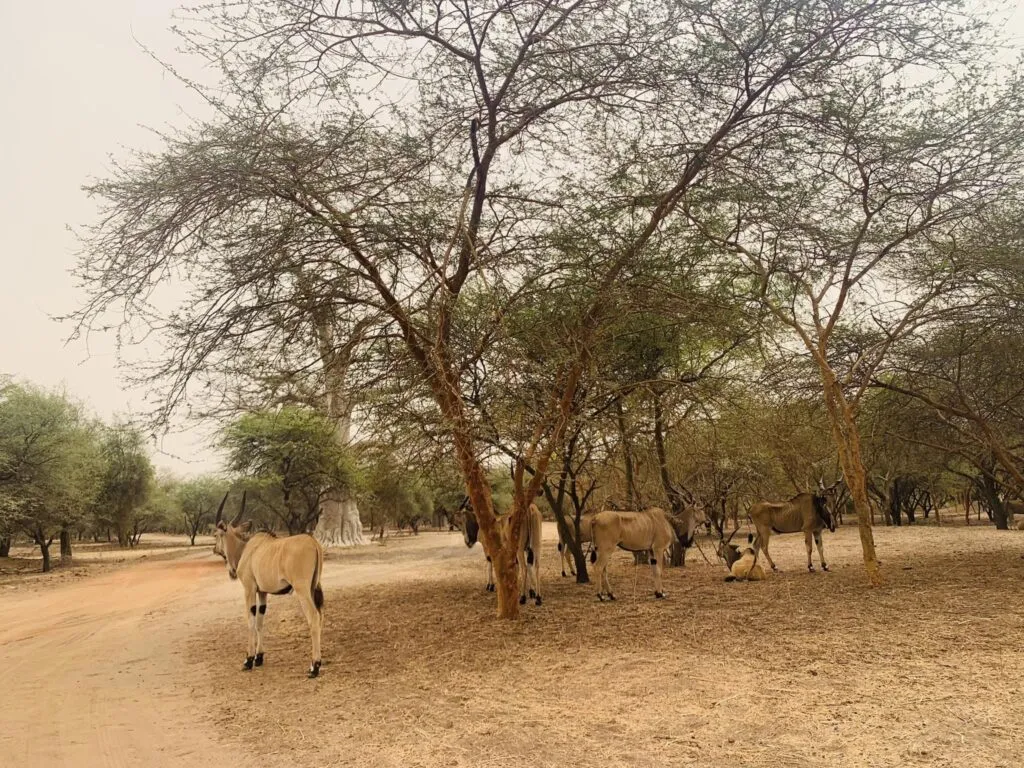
{"x": 88, "y": 671}
{"x": 92, "y": 672}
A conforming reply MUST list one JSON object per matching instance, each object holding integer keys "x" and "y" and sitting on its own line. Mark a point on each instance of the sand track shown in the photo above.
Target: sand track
{"x": 89, "y": 677}
{"x": 140, "y": 666}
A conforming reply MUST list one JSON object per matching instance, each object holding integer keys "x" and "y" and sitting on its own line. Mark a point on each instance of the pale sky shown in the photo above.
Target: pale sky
{"x": 76, "y": 87}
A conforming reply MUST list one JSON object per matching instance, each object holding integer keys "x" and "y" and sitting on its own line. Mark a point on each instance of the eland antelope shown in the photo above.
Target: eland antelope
{"x": 266, "y": 564}
{"x": 806, "y": 512}
{"x": 527, "y": 551}
{"x": 652, "y": 531}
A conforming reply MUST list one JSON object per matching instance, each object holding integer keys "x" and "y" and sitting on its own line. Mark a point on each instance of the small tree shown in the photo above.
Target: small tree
{"x": 126, "y": 482}
{"x": 197, "y": 499}
{"x": 49, "y": 463}
{"x": 293, "y": 459}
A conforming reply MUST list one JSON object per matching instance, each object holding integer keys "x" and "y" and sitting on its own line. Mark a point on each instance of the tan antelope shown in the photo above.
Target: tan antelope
{"x": 806, "y": 512}
{"x": 527, "y": 551}
{"x": 745, "y": 567}
{"x": 266, "y": 564}
{"x": 652, "y": 531}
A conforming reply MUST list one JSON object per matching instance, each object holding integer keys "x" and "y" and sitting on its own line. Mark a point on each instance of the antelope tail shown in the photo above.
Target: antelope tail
{"x": 314, "y": 587}
{"x": 730, "y": 577}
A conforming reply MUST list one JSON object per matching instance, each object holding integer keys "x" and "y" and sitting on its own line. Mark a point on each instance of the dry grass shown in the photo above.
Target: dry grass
{"x": 801, "y": 670}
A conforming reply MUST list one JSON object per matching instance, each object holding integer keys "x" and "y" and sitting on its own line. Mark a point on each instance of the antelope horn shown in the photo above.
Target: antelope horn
{"x": 731, "y": 535}
{"x": 241, "y": 511}
{"x": 220, "y": 509}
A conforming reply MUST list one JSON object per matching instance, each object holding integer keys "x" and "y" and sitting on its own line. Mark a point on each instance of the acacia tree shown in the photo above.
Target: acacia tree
{"x": 125, "y": 482}
{"x": 196, "y": 499}
{"x": 589, "y": 122}
{"x": 967, "y": 375}
{"x": 858, "y": 239}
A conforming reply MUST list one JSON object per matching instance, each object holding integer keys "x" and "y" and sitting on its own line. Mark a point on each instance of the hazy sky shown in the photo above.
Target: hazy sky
{"x": 76, "y": 87}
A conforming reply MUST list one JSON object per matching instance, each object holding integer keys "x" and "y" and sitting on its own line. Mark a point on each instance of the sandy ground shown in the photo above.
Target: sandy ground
{"x": 140, "y": 666}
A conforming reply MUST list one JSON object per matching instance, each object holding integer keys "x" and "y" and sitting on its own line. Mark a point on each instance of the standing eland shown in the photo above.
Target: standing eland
{"x": 265, "y": 564}
{"x": 806, "y": 512}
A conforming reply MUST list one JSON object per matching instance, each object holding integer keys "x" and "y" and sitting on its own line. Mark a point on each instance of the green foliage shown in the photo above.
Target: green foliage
{"x": 196, "y": 500}
{"x": 126, "y": 482}
{"x": 49, "y": 463}
{"x": 291, "y": 459}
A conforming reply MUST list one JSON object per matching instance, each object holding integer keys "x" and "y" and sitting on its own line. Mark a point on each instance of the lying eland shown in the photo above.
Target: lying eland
{"x": 745, "y": 567}
{"x": 807, "y": 512}
{"x": 266, "y": 565}
{"x": 652, "y": 531}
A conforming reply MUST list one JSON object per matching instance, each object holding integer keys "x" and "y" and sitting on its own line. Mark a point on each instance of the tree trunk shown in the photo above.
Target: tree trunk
{"x": 568, "y": 527}
{"x": 994, "y": 506}
{"x": 894, "y": 504}
{"x": 44, "y": 547}
{"x": 65, "y": 547}
{"x": 847, "y": 440}
{"x": 340, "y": 524}
{"x": 5, "y": 546}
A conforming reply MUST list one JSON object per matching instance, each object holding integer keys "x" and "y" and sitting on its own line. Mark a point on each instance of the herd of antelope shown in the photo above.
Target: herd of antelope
{"x": 265, "y": 564}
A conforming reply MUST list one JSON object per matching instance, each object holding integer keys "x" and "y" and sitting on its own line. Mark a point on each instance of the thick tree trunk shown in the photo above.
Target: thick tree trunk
{"x": 44, "y": 547}
{"x": 5, "y": 546}
{"x": 340, "y": 524}
{"x": 65, "y": 547}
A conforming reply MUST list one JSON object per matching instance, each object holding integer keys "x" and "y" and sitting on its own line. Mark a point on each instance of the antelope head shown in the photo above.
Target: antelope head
{"x": 229, "y": 538}
{"x": 728, "y": 551}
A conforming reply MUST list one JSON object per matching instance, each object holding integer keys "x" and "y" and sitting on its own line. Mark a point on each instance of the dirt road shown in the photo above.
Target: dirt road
{"x": 92, "y": 672}
{"x": 89, "y": 677}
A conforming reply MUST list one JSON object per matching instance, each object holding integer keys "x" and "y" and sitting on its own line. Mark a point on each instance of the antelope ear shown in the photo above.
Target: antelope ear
{"x": 245, "y": 527}
{"x": 221, "y": 526}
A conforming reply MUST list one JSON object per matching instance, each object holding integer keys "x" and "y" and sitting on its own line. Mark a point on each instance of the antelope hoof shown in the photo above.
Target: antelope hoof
{"x": 659, "y": 595}
{"x": 564, "y": 574}
{"x": 775, "y": 568}
{"x": 259, "y": 660}
{"x": 248, "y": 663}
{"x": 537, "y": 600}
{"x": 611, "y": 596}
{"x": 314, "y": 670}
{"x": 824, "y": 567}
{"x": 522, "y": 599}
{"x": 533, "y": 594}
{"x": 810, "y": 568}
{"x": 490, "y": 587}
